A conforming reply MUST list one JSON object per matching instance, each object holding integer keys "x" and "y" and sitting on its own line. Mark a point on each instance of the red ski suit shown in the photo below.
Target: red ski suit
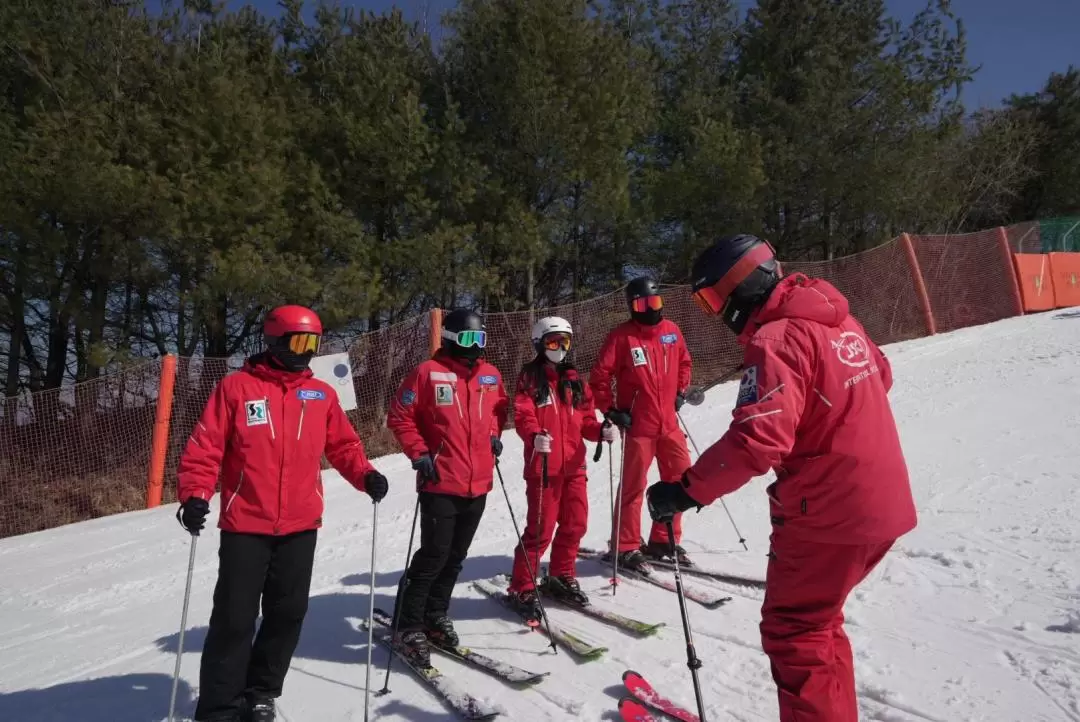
{"x": 813, "y": 406}
{"x": 264, "y": 431}
{"x": 566, "y": 498}
{"x": 451, "y": 411}
{"x": 650, "y": 366}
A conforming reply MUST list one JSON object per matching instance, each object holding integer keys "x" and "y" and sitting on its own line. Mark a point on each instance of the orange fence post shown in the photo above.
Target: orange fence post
{"x": 1014, "y": 287}
{"x": 436, "y": 330}
{"x": 1065, "y": 270}
{"x": 159, "y": 448}
{"x": 1036, "y": 281}
{"x": 920, "y": 284}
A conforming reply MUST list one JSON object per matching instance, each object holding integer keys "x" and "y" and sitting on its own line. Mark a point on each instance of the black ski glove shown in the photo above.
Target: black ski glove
{"x": 619, "y": 418}
{"x": 425, "y": 467}
{"x": 680, "y": 399}
{"x": 192, "y": 514}
{"x": 496, "y": 446}
{"x": 668, "y": 498}
{"x": 375, "y": 485}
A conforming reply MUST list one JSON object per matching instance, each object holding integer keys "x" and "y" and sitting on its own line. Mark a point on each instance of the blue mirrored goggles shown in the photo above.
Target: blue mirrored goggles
{"x": 466, "y": 338}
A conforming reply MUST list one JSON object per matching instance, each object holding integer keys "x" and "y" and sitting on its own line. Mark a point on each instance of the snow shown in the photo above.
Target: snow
{"x": 975, "y": 615}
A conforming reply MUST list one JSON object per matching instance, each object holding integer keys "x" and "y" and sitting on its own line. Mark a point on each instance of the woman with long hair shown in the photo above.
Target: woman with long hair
{"x": 554, "y": 415}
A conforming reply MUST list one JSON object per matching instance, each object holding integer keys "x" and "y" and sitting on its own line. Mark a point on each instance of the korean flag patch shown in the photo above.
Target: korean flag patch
{"x": 256, "y": 412}
{"x": 748, "y": 387}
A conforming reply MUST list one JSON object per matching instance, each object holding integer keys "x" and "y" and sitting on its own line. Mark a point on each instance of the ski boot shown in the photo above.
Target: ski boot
{"x": 440, "y": 631}
{"x": 262, "y": 710}
{"x": 527, "y": 604}
{"x": 564, "y": 589}
{"x": 413, "y": 645}
{"x": 634, "y": 560}
{"x": 661, "y": 551}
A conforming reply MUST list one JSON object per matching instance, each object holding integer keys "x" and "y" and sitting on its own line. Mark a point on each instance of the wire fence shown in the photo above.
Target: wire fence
{"x": 85, "y": 451}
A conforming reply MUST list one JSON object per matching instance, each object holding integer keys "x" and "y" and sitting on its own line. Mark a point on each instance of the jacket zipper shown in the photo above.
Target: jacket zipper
{"x": 281, "y": 461}
{"x": 469, "y": 431}
{"x": 558, "y": 422}
{"x": 235, "y": 493}
{"x": 300, "y": 424}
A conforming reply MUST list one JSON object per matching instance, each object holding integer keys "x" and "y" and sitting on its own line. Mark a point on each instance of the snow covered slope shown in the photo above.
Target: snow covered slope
{"x": 974, "y": 616}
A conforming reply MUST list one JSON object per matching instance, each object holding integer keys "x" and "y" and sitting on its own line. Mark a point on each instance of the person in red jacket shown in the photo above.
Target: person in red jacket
{"x": 263, "y": 433}
{"x": 448, "y": 416}
{"x": 648, "y": 360}
{"x": 554, "y": 415}
{"x": 812, "y": 406}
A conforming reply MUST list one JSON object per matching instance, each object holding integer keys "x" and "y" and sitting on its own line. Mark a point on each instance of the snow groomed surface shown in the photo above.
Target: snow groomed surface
{"x": 974, "y": 616}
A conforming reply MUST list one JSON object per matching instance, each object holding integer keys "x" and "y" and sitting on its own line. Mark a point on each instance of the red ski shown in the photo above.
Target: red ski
{"x": 631, "y": 710}
{"x": 644, "y": 693}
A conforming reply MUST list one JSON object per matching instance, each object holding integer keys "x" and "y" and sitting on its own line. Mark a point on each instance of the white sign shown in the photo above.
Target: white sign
{"x": 335, "y": 370}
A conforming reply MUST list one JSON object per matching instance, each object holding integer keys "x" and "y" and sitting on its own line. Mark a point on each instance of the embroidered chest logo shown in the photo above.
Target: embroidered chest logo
{"x": 668, "y": 339}
{"x": 488, "y": 382}
{"x": 444, "y": 395}
{"x": 256, "y": 412}
{"x": 310, "y": 395}
{"x": 851, "y": 350}
{"x": 637, "y": 355}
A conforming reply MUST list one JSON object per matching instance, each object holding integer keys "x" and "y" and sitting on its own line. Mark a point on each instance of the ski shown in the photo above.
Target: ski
{"x": 714, "y": 574}
{"x": 706, "y": 598}
{"x": 644, "y": 693}
{"x": 631, "y": 710}
{"x": 636, "y": 626}
{"x": 495, "y": 667}
{"x": 462, "y": 702}
{"x": 574, "y": 644}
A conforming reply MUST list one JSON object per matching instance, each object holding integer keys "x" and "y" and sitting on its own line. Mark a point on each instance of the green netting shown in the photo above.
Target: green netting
{"x": 1060, "y": 234}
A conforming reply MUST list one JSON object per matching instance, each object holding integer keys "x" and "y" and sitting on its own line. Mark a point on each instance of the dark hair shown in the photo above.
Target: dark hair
{"x": 533, "y": 377}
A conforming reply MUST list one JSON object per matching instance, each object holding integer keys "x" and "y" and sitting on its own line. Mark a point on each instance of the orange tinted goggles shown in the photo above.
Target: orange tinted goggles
{"x": 647, "y": 303}
{"x": 556, "y": 341}
{"x": 712, "y": 299}
{"x": 304, "y": 343}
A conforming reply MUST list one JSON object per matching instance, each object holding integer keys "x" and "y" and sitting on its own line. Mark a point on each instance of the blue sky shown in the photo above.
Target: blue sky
{"x": 1017, "y": 42}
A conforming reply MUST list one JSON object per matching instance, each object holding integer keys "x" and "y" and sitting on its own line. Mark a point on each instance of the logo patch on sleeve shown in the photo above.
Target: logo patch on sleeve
{"x": 408, "y": 398}
{"x": 310, "y": 395}
{"x": 668, "y": 338}
{"x": 256, "y": 412}
{"x": 748, "y": 387}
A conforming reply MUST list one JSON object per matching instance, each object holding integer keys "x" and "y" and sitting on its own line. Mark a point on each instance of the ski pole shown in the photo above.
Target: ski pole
{"x": 540, "y": 520}
{"x": 371, "y": 609}
{"x": 742, "y": 539}
{"x": 692, "y": 660}
{"x": 402, "y": 583}
{"x": 525, "y": 552}
{"x": 183, "y": 624}
{"x": 618, "y": 515}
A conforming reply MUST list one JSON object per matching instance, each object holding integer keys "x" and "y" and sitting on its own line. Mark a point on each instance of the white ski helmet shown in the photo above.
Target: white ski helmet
{"x": 550, "y": 324}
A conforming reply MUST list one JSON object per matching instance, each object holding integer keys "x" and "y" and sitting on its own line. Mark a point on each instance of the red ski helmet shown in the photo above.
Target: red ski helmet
{"x": 292, "y": 332}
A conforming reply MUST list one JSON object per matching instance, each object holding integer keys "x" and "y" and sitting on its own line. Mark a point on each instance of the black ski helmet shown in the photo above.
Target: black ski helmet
{"x": 463, "y": 319}
{"x": 738, "y": 272}
{"x": 643, "y": 287}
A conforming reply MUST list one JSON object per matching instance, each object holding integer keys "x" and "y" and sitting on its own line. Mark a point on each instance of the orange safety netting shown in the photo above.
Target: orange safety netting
{"x": 82, "y": 452}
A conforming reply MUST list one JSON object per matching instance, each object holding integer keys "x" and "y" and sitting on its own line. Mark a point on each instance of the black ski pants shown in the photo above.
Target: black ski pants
{"x": 447, "y": 526}
{"x": 276, "y": 569}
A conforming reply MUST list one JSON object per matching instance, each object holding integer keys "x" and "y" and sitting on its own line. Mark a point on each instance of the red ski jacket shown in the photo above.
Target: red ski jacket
{"x": 451, "y": 411}
{"x": 264, "y": 431}
{"x": 568, "y": 426}
{"x": 813, "y": 406}
{"x": 650, "y": 366}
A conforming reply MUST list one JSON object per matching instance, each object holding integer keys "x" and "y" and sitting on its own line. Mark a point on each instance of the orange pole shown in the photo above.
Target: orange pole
{"x": 436, "y": 331}
{"x": 920, "y": 284}
{"x": 155, "y": 481}
{"x": 1010, "y": 267}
